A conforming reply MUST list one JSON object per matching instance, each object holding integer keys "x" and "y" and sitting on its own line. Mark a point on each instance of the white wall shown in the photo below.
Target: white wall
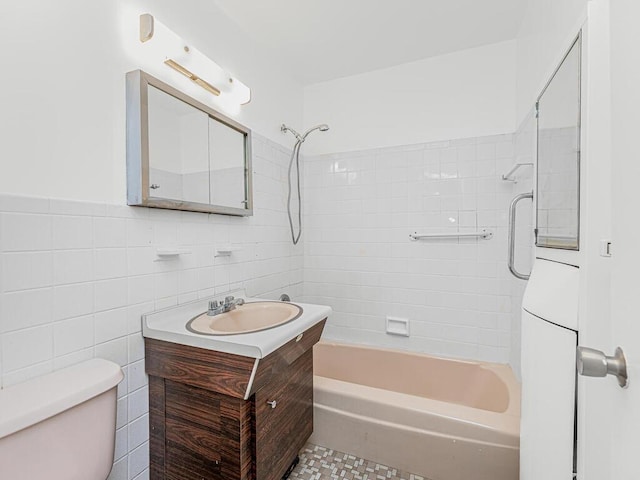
{"x": 547, "y": 31}
{"x": 470, "y": 93}
{"x": 63, "y": 102}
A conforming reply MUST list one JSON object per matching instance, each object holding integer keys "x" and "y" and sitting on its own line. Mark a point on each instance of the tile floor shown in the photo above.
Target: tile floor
{"x": 320, "y": 463}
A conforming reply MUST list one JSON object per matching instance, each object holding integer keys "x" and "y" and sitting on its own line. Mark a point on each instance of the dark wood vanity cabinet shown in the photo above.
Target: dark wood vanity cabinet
{"x": 219, "y": 416}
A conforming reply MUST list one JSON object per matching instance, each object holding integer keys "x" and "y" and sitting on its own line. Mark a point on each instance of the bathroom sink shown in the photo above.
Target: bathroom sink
{"x": 252, "y": 334}
{"x": 247, "y": 318}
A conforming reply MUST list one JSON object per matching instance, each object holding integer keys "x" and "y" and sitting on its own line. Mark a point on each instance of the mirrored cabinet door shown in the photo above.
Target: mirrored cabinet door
{"x": 178, "y": 149}
{"x": 558, "y": 199}
{"x": 226, "y": 166}
{"x": 182, "y": 154}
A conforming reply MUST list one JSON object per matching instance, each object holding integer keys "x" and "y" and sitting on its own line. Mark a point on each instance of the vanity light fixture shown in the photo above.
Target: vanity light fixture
{"x": 193, "y": 77}
{"x": 174, "y": 52}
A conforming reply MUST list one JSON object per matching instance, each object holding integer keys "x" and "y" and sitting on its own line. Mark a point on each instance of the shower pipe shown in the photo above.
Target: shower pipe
{"x": 295, "y": 157}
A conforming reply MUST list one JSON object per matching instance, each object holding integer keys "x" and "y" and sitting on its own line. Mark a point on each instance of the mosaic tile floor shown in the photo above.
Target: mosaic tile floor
{"x": 320, "y": 463}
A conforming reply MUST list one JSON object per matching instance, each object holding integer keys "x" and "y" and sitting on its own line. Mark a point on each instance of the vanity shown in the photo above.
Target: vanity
{"x": 230, "y": 406}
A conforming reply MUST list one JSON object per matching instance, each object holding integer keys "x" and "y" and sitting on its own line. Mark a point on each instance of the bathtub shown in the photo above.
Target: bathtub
{"x": 439, "y": 418}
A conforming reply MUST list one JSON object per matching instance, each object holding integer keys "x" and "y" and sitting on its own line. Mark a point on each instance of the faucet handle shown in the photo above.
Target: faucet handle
{"x": 229, "y": 299}
{"x": 213, "y": 304}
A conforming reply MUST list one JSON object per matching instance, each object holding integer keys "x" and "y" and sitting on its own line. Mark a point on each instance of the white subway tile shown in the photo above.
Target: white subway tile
{"x": 25, "y": 232}
{"x": 120, "y": 469}
{"x": 71, "y": 232}
{"x": 72, "y": 266}
{"x": 137, "y": 377}
{"x": 21, "y": 271}
{"x": 18, "y": 376}
{"x": 24, "y": 348}
{"x": 27, "y": 308}
{"x": 134, "y": 315}
{"x": 73, "y": 358}
{"x": 138, "y": 431}
{"x": 23, "y": 204}
{"x": 110, "y": 263}
{"x": 109, "y": 232}
{"x": 71, "y": 207}
{"x": 72, "y": 335}
{"x": 165, "y": 284}
{"x": 110, "y": 294}
{"x": 140, "y": 260}
{"x": 138, "y": 403}
{"x": 72, "y": 300}
{"x": 122, "y": 413}
{"x": 110, "y": 325}
{"x": 116, "y": 351}
{"x": 140, "y": 289}
{"x": 138, "y": 460}
{"x": 122, "y": 443}
{"x": 139, "y": 233}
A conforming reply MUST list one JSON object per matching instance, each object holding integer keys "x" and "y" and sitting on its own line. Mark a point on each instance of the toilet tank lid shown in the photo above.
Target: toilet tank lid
{"x": 43, "y": 397}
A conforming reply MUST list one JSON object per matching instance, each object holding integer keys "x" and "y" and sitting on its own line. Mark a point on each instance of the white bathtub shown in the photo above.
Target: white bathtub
{"x": 440, "y": 418}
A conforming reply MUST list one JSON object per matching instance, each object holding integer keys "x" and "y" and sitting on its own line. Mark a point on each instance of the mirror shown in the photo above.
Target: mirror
{"x": 558, "y": 179}
{"x": 183, "y": 155}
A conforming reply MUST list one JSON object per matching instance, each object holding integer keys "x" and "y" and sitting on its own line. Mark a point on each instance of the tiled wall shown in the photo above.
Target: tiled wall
{"x": 75, "y": 278}
{"x": 559, "y": 182}
{"x": 359, "y": 210}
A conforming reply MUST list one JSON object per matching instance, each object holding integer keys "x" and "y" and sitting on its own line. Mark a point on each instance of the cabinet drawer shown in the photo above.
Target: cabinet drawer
{"x": 282, "y": 431}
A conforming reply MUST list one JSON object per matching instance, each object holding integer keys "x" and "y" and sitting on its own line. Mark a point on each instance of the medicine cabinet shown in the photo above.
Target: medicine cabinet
{"x": 182, "y": 154}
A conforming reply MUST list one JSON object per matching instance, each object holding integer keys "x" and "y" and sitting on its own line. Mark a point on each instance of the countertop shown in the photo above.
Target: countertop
{"x": 169, "y": 325}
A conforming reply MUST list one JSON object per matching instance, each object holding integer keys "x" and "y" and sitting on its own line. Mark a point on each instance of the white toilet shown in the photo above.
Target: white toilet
{"x": 60, "y": 426}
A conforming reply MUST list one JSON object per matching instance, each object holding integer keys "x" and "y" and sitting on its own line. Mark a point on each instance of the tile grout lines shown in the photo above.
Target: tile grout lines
{"x": 320, "y": 463}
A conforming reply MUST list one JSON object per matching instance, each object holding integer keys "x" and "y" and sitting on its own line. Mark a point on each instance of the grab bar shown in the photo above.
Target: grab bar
{"x": 512, "y": 234}
{"x": 486, "y": 234}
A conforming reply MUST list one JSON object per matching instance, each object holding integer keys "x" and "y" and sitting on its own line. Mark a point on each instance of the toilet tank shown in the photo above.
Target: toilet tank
{"x": 60, "y": 426}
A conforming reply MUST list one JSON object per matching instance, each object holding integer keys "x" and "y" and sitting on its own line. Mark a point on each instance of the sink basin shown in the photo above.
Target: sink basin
{"x": 247, "y": 318}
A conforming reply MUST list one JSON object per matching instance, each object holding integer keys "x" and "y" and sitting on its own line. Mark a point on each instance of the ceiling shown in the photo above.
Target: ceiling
{"x": 319, "y": 40}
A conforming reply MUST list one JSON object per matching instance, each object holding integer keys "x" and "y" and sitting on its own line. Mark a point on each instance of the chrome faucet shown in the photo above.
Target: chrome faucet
{"x": 223, "y": 306}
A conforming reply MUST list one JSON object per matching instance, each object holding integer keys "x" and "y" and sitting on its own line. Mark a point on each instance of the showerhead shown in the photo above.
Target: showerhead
{"x": 301, "y": 138}
{"x": 322, "y": 127}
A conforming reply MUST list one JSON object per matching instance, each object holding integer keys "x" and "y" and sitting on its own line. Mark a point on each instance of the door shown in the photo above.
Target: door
{"x": 625, "y": 274}
{"x": 610, "y": 427}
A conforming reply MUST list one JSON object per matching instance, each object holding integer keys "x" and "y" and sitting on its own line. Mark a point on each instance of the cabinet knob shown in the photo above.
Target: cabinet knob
{"x": 273, "y": 403}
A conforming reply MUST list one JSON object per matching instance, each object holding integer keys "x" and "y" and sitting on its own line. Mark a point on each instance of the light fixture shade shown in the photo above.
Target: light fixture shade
{"x": 165, "y": 46}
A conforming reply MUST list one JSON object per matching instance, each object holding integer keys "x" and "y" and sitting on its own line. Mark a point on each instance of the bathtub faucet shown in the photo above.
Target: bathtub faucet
{"x": 223, "y": 306}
